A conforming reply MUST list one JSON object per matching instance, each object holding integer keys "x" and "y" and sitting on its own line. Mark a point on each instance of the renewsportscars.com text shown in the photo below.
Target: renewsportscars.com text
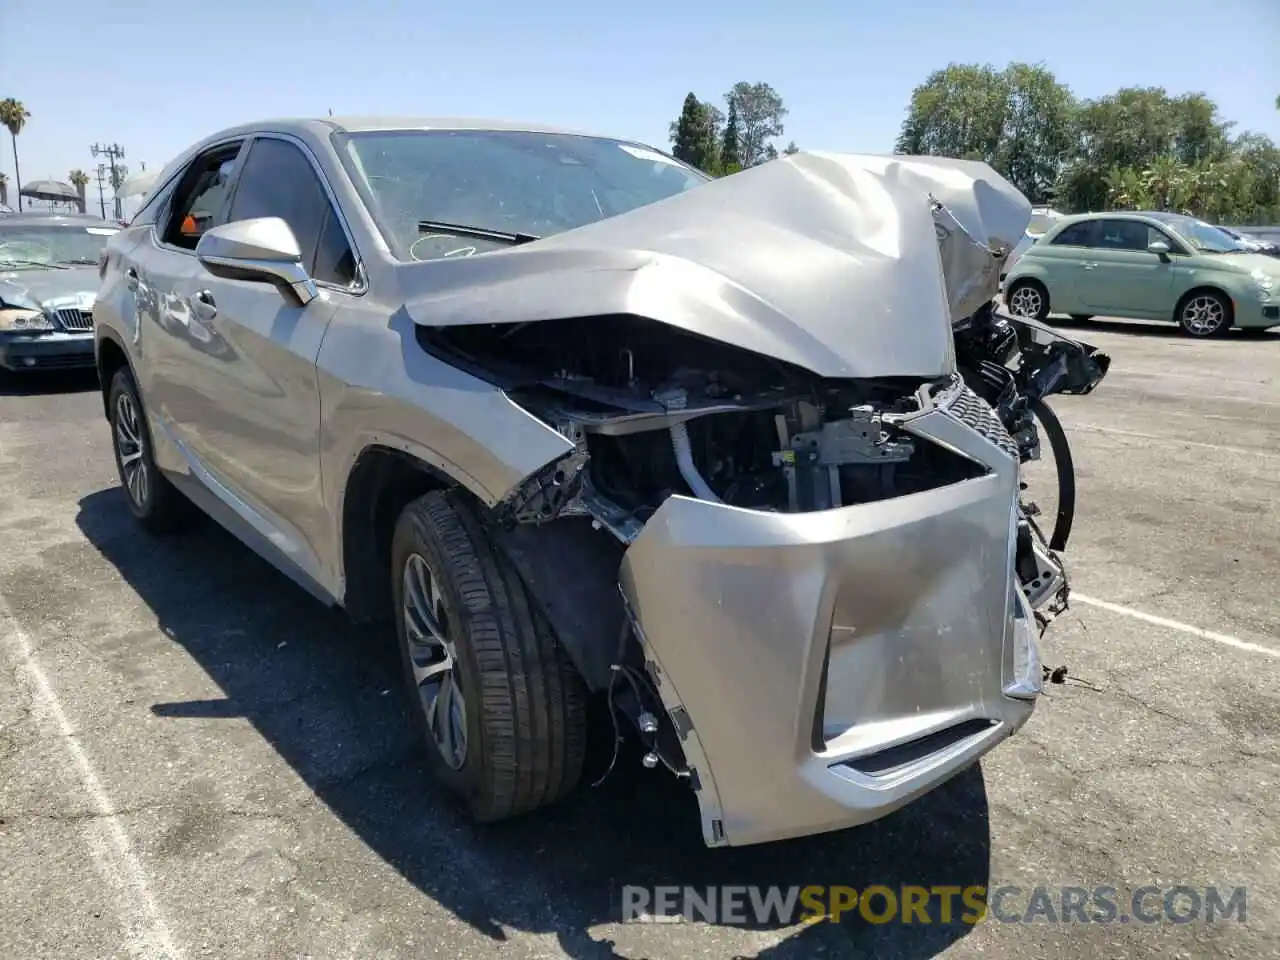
{"x": 939, "y": 904}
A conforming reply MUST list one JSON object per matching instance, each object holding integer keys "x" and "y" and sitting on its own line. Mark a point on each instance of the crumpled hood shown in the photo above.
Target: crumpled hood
{"x": 76, "y": 287}
{"x": 832, "y": 262}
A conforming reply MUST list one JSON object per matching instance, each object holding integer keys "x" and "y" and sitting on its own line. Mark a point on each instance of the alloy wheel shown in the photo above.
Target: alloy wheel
{"x": 433, "y": 657}
{"x": 1025, "y": 302}
{"x": 130, "y": 447}
{"x": 1203, "y": 316}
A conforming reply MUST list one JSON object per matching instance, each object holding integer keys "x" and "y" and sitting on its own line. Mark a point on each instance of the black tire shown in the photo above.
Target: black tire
{"x": 1065, "y": 465}
{"x": 525, "y": 706}
{"x": 155, "y": 502}
{"x": 1035, "y": 287}
{"x": 1189, "y": 314}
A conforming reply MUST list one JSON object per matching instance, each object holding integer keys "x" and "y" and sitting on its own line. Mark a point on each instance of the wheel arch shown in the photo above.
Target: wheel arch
{"x": 110, "y": 356}
{"x": 382, "y": 481}
{"x": 1205, "y": 288}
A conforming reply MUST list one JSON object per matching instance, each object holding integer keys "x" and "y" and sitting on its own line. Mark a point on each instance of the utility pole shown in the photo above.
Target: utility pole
{"x": 113, "y": 152}
{"x": 102, "y": 196}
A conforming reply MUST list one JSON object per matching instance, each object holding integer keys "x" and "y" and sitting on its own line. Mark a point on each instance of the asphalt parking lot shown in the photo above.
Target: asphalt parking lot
{"x": 198, "y": 760}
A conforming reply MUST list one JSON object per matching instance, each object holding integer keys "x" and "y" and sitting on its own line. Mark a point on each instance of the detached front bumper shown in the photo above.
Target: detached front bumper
{"x": 824, "y": 669}
{"x": 46, "y": 351}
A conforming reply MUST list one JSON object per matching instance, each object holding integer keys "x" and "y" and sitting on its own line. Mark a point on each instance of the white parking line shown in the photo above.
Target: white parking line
{"x": 1222, "y": 638}
{"x": 109, "y": 844}
{"x": 1098, "y": 428}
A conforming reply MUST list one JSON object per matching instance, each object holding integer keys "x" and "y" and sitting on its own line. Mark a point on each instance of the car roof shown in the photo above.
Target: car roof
{"x": 322, "y": 126}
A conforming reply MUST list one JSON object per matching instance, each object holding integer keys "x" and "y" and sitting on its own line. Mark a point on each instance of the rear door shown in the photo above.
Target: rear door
{"x": 1059, "y": 259}
{"x": 257, "y": 424}
{"x": 1120, "y": 276}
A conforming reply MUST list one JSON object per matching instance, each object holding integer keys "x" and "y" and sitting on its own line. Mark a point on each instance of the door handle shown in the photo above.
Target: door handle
{"x": 131, "y": 279}
{"x": 202, "y": 306}
{"x": 1088, "y": 266}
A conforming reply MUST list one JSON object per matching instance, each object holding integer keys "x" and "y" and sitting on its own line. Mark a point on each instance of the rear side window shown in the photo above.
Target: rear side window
{"x": 1076, "y": 235}
{"x": 279, "y": 181}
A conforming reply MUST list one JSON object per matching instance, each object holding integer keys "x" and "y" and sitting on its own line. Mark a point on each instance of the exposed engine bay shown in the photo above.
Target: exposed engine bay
{"x": 654, "y": 411}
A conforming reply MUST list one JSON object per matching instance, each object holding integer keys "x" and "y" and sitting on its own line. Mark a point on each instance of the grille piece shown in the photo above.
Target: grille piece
{"x": 975, "y": 413}
{"x": 77, "y": 321}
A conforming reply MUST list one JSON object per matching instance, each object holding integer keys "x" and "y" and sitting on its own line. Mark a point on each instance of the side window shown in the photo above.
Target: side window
{"x": 200, "y": 197}
{"x": 1155, "y": 233}
{"x": 279, "y": 181}
{"x": 1076, "y": 235}
{"x": 1122, "y": 235}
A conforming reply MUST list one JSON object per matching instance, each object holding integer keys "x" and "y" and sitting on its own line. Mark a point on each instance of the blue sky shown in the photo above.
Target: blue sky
{"x": 155, "y": 76}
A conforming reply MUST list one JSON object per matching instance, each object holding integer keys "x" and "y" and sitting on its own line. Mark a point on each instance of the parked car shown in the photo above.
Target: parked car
{"x": 580, "y": 421}
{"x": 1150, "y": 266}
{"x": 48, "y": 281}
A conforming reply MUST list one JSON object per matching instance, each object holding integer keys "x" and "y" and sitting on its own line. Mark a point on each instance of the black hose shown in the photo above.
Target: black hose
{"x": 1066, "y": 468}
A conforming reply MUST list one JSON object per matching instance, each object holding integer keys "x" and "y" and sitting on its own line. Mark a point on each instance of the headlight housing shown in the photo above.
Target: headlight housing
{"x": 24, "y": 321}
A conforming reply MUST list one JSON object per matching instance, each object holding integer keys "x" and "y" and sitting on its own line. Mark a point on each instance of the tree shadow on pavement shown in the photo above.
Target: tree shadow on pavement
{"x": 327, "y": 697}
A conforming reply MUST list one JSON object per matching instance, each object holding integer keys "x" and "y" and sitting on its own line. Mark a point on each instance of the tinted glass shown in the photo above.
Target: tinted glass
{"x": 1076, "y": 235}
{"x": 334, "y": 263}
{"x": 511, "y": 182}
{"x": 1122, "y": 235}
{"x": 279, "y": 181}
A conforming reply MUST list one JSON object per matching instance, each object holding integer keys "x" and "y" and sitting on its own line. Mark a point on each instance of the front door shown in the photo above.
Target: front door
{"x": 257, "y": 429}
{"x": 1120, "y": 276}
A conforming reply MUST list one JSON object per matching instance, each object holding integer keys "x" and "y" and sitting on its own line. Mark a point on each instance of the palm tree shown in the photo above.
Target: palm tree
{"x": 79, "y": 179}
{"x": 4, "y": 189}
{"x": 14, "y": 116}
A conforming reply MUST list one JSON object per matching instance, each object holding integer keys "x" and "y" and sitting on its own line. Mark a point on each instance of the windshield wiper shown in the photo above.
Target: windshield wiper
{"x": 80, "y": 261}
{"x": 7, "y": 261}
{"x": 462, "y": 230}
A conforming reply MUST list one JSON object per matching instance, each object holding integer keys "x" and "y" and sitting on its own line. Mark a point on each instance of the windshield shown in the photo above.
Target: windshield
{"x": 503, "y": 181}
{"x": 32, "y": 246}
{"x": 1204, "y": 237}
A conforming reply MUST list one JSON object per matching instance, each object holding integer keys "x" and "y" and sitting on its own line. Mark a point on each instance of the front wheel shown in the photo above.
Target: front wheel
{"x": 1204, "y": 314}
{"x": 500, "y": 707}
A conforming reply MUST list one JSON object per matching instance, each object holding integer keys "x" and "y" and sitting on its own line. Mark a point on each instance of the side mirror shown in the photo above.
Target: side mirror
{"x": 1160, "y": 249}
{"x": 263, "y": 249}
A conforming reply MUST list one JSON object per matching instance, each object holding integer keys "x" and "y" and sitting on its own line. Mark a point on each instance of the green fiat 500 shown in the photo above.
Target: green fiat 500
{"x": 1148, "y": 266}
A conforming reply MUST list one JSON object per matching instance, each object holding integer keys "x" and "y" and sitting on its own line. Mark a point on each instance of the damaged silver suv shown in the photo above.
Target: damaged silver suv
{"x": 581, "y": 421}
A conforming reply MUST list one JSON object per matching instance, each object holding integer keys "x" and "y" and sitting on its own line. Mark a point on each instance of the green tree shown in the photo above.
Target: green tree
{"x": 791, "y": 148}
{"x": 1037, "y": 130}
{"x": 1020, "y": 120}
{"x": 760, "y": 115}
{"x": 1134, "y": 128}
{"x": 693, "y": 135}
{"x": 731, "y": 143}
{"x": 80, "y": 180}
{"x": 14, "y": 116}
{"x": 4, "y": 188}
{"x": 957, "y": 112}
